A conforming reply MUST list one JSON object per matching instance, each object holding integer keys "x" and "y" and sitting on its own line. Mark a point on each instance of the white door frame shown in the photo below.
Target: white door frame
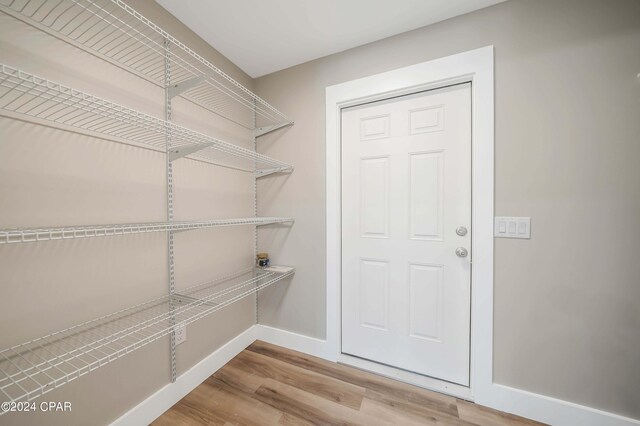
{"x": 475, "y": 66}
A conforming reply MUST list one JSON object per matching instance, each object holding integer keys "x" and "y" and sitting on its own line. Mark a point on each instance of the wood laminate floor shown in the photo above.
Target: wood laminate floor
{"x": 270, "y": 385}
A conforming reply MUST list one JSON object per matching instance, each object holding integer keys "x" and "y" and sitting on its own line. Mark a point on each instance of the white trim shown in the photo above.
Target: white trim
{"x": 550, "y": 410}
{"x": 430, "y": 383}
{"x": 475, "y": 66}
{"x": 516, "y": 401}
{"x": 152, "y": 407}
{"x": 294, "y": 341}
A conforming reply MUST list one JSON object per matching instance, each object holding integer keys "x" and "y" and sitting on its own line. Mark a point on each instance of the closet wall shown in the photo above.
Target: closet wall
{"x": 50, "y": 177}
{"x": 566, "y": 144}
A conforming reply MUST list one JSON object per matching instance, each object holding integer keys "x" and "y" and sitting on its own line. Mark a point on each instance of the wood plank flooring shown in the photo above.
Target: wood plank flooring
{"x": 270, "y": 385}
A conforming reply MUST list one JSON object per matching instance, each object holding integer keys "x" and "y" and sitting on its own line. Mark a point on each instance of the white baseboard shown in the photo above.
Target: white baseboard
{"x": 522, "y": 403}
{"x": 294, "y": 341}
{"x": 549, "y": 410}
{"x": 504, "y": 398}
{"x": 152, "y": 407}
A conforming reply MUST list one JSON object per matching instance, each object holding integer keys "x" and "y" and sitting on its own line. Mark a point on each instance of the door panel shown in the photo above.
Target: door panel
{"x": 425, "y": 300}
{"x": 426, "y": 195}
{"x": 374, "y": 305}
{"x": 406, "y": 170}
{"x": 374, "y": 197}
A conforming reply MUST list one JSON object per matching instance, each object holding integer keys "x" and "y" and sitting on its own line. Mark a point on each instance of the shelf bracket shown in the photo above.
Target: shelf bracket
{"x": 267, "y": 172}
{"x": 184, "y": 299}
{"x": 177, "y": 89}
{"x": 184, "y": 150}
{"x": 178, "y": 231}
{"x": 261, "y": 131}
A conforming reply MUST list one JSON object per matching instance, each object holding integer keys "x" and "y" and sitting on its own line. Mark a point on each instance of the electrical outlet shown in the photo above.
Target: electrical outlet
{"x": 181, "y": 333}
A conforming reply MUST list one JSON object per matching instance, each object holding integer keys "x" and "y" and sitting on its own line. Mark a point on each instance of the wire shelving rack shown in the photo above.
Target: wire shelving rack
{"x": 27, "y": 95}
{"x": 34, "y": 368}
{"x": 112, "y": 30}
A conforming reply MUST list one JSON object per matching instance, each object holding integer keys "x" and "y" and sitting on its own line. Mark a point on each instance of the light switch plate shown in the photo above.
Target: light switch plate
{"x": 512, "y": 227}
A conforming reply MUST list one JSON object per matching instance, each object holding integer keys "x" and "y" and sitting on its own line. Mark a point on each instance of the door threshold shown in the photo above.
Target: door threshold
{"x": 430, "y": 383}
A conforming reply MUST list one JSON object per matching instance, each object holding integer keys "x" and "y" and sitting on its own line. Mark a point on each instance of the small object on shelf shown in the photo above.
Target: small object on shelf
{"x": 262, "y": 260}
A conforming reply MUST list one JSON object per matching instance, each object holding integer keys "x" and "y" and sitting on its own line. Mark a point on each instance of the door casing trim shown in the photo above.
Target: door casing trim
{"x": 475, "y": 66}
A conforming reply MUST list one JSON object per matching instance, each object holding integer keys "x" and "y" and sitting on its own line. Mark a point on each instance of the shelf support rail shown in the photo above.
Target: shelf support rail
{"x": 171, "y": 272}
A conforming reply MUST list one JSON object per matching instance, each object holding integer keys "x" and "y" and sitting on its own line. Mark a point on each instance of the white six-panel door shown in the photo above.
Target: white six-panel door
{"x": 406, "y": 189}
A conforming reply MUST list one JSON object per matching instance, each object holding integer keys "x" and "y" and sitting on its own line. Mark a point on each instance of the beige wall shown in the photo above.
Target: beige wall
{"x": 50, "y": 177}
{"x": 567, "y": 126}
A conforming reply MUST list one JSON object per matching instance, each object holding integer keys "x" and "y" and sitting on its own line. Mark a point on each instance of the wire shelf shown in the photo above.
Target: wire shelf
{"x": 32, "y": 97}
{"x": 12, "y": 236}
{"x": 34, "y": 368}
{"x": 112, "y": 30}
{"x": 116, "y": 33}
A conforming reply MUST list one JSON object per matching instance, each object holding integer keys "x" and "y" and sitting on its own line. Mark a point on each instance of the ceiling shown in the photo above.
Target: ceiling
{"x": 264, "y": 36}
